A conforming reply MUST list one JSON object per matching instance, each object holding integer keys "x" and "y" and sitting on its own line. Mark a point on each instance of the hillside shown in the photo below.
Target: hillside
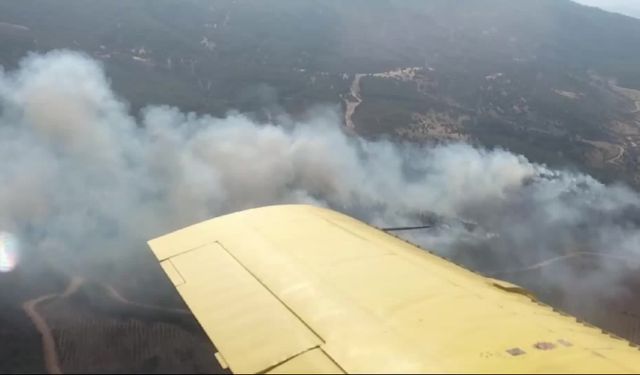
{"x": 537, "y": 77}
{"x": 549, "y": 79}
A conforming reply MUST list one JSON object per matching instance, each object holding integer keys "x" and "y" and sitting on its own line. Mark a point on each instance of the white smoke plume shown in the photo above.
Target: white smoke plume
{"x": 85, "y": 183}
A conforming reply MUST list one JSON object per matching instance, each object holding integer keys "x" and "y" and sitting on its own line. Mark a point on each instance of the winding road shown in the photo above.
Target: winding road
{"x": 113, "y": 293}
{"x": 618, "y": 156}
{"x": 354, "y": 99}
{"x": 50, "y": 352}
{"x": 51, "y": 360}
{"x": 565, "y": 257}
{"x": 352, "y": 102}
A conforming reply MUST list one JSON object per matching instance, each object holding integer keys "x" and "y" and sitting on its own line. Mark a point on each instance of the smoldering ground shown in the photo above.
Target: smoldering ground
{"x": 84, "y": 183}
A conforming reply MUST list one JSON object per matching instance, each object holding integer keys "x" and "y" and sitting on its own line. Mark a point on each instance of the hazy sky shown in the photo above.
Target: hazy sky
{"x": 628, "y": 7}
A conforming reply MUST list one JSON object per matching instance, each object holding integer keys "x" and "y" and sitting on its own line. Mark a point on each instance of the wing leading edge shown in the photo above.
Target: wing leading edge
{"x": 290, "y": 289}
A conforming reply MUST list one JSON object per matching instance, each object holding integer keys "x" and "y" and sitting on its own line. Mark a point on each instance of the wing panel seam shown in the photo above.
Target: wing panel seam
{"x": 272, "y": 293}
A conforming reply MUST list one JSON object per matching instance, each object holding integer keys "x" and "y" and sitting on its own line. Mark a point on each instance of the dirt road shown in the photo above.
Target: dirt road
{"x": 569, "y": 256}
{"x": 52, "y": 361}
{"x": 30, "y": 307}
{"x": 113, "y": 293}
{"x": 618, "y": 156}
{"x": 352, "y": 102}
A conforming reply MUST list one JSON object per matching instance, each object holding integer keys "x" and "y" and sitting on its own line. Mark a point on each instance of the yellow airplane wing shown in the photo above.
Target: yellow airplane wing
{"x": 301, "y": 289}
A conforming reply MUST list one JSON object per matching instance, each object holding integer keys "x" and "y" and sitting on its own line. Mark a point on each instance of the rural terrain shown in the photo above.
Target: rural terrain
{"x": 548, "y": 79}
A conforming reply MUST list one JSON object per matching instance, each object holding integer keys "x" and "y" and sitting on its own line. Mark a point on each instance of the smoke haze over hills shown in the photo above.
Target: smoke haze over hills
{"x": 85, "y": 183}
{"x": 626, "y": 7}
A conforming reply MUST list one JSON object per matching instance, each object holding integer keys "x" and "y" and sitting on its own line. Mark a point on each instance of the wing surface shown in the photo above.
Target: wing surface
{"x": 296, "y": 288}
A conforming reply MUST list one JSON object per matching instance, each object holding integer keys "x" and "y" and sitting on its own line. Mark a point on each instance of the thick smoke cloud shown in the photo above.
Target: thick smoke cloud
{"x": 85, "y": 183}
